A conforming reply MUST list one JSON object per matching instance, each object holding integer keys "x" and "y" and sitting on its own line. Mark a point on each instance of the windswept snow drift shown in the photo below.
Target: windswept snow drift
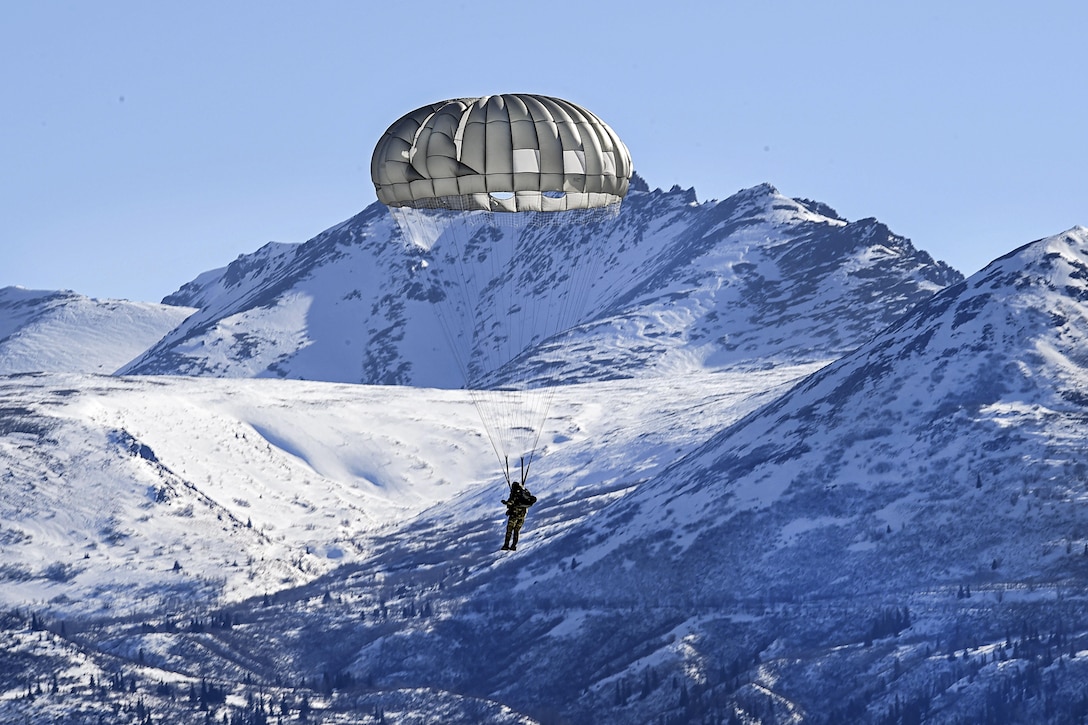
{"x": 67, "y": 332}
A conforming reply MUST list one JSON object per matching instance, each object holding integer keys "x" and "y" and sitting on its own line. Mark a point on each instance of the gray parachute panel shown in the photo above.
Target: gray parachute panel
{"x": 510, "y": 152}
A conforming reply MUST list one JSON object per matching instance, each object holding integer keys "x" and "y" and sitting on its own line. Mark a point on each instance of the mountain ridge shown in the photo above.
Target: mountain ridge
{"x": 341, "y": 308}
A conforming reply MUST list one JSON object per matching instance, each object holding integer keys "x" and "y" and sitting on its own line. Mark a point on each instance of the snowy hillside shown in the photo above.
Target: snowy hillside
{"x": 67, "y": 332}
{"x": 253, "y": 485}
{"x": 755, "y": 279}
{"x": 928, "y": 490}
{"x": 162, "y": 499}
{"x": 948, "y": 449}
{"x": 900, "y": 536}
{"x": 108, "y": 482}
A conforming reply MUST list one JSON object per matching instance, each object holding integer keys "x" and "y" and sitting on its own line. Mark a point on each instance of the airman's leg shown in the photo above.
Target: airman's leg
{"x": 509, "y": 532}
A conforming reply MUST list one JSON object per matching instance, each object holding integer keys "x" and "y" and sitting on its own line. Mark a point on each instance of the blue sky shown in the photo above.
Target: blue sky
{"x": 143, "y": 143}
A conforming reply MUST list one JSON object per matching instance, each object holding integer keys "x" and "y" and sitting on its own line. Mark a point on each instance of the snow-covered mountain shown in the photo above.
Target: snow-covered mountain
{"x": 150, "y": 502}
{"x": 67, "y": 332}
{"x": 821, "y": 478}
{"x": 753, "y": 280}
{"x": 901, "y": 536}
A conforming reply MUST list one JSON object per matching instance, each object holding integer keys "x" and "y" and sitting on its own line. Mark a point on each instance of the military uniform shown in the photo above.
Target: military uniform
{"x": 517, "y": 505}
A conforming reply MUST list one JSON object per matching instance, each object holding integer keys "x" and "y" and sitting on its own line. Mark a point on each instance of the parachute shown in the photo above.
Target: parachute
{"x": 498, "y": 200}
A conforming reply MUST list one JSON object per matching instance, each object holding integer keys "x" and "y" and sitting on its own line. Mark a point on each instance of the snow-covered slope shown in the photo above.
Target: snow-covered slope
{"x": 946, "y": 456}
{"x": 731, "y": 528}
{"x": 67, "y": 332}
{"x": 253, "y": 485}
{"x": 949, "y": 448}
{"x": 899, "y": 536}
{"x": 159, "y": 500}
{"x": 749, "y": 281}
{"x": 247, "y": 486}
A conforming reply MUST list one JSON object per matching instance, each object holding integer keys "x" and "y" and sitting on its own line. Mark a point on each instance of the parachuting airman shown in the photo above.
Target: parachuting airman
{"x": 537, "y": 159}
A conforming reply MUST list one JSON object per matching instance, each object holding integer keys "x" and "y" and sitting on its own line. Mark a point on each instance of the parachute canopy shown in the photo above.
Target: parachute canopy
{"x": 502, "y": 153}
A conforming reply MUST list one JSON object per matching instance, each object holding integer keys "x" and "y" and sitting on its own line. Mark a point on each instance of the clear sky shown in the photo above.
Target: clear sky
{"x": 142, "y": 143}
